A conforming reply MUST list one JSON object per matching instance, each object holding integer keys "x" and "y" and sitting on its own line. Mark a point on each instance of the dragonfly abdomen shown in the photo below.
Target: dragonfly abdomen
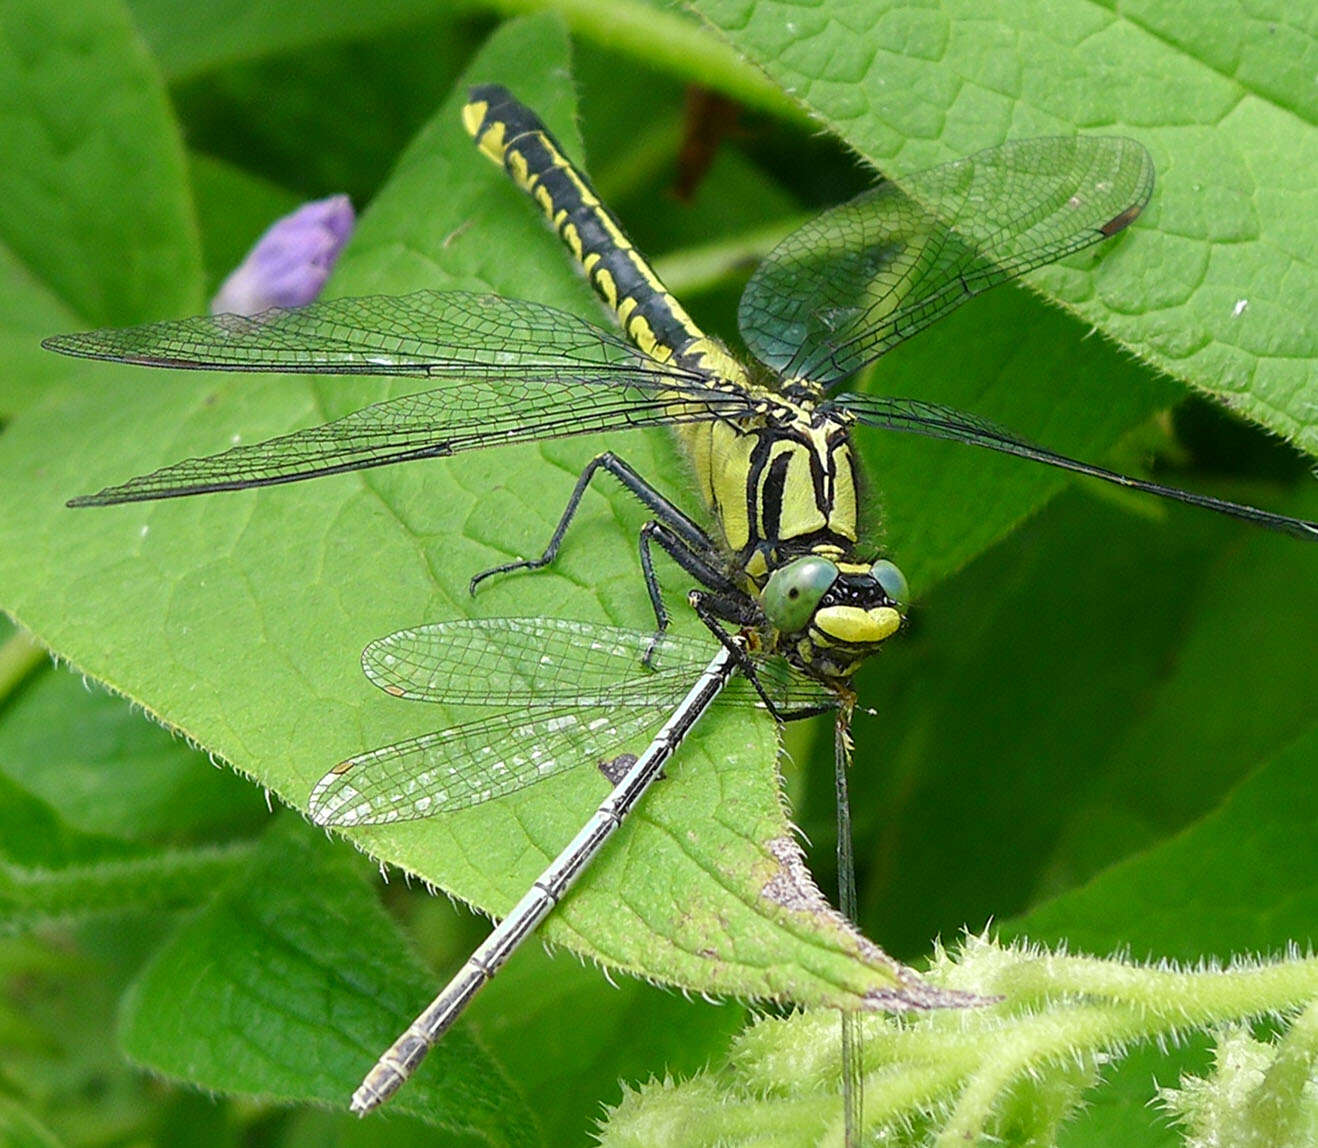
{"x": 512, "y": 135}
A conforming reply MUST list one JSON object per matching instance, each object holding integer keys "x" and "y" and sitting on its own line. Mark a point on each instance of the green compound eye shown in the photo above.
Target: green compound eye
{"x": 893, "y": 582}
{"x": 794, "y": 591}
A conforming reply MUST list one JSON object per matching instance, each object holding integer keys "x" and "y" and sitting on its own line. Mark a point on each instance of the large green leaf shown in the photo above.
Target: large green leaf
{"x": 238, "y": 620}
{"x": 81, "y": 104}
{"x": 1215, "y": 284}
{"x": 191, "y": 40}
{"x": 1212, "y": 284}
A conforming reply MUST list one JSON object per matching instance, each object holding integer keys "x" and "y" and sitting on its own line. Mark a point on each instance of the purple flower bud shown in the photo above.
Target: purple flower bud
{"x": 288, "y": 265}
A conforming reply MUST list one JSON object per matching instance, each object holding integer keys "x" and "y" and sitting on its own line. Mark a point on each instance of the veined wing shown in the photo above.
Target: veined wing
{"x": 477, "y": 761}
{"x": 936, "y": 421}
{"x": 426, "y": 333}
{"x": 583, "y": 690}
{"x": 514, "y": 371}
{"x": 563, "y": 663}
{"x": 861, "y": 278}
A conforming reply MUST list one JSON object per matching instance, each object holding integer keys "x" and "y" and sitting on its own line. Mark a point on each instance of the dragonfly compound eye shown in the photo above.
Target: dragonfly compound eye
{"x": 893, "y": 582}
{"x": 793, "y": 592}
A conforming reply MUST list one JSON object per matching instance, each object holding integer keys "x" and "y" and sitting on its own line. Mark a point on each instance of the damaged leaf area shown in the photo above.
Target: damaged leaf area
{"x": 792, "y": 889}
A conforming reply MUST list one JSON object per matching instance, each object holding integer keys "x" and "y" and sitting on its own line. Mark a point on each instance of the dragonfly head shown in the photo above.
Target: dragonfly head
{"x": 830, "y": 615}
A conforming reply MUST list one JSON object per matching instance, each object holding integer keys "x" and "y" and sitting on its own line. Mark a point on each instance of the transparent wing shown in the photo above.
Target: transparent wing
{"x": 584, "y": 691}
{"x": 936, "y": 421}
{"x": 514, "y": 371}
{"x": 538, "y": 661}
{"x": 478, "y": 761}
{"x": 474, "y": 413}
{"x": 861, "y": 278}
{"x": 425, "y": 333}
{"x": 549, "y": 661}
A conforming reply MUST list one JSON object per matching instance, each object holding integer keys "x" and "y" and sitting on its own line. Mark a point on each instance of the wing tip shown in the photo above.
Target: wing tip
{"x": 330, "y": 795}
{"x": 1122, "y": 219}
{"x": 110, "y": 496}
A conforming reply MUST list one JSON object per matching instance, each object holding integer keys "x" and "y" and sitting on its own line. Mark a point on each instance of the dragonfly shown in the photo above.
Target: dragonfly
{"x": 783, "y": 573}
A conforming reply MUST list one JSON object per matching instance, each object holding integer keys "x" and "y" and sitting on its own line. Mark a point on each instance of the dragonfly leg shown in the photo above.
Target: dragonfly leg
{"x": 665, "y": 511}
{"x": 712, "y": 609}
{"x": 694, "y": 561}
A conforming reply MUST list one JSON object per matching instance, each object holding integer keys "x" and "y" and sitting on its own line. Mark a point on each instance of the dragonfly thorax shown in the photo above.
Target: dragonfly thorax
{"x": 779, "y": 485}
{"x": 828, "y": 616}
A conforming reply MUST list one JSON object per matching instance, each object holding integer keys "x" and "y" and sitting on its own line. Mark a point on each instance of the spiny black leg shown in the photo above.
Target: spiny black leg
{"x": 652, "y": 530}
{"x": 694, "y": 562}
{"x": 700, "y": 603}
{"x": 679, "y": 523}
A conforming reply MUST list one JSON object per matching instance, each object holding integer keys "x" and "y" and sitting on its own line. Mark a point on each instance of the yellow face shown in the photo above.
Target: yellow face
{"x": 831, "y": 616}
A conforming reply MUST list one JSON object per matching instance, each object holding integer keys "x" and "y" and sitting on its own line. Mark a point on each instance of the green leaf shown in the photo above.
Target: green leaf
{"x": 52, "y": 868}
{"x": 191, "y": 40}
{"x": 1243, "y": 879}
{"x": 106, "y": 771}
{"x": 234, "y": 208}
{"x": 62, "y": 1060}
{"x": 238, "y": 620}
{"x": 21, "y": 1129}
{"x": 36, "y": 838}
{"x": 91, "y": 151}
{"x": 1213, "y": 284}
{"x": 328, "y": 117}
{"x": 289, "y": 983}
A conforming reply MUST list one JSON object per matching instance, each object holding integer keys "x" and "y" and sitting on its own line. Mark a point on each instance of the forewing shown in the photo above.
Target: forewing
{"x": 513, "y": 372}
{"x": 471, "y": 414}
{"x": 559, "y": 662}
{"x": 861, "y": 278}
{"x": 936, "y": 421}
{"x": 535, "y": 661}
{"x": 425, "y": 333}
{"x": 474, "y": 762}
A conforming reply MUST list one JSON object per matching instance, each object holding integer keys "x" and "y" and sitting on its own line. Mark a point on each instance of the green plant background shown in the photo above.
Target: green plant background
{"x": 1088, "y": 685}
